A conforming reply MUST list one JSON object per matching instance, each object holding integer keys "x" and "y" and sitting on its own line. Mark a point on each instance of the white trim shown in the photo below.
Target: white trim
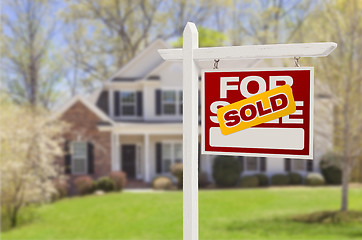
{"x": 320, "y": 49}
{"x": 137, "y": 57}
{"x": 93, "y": 97}
{"x": 145, "y": 128}
{"x": 113, "y": 155}
{"x": 159, "y": 70}
{"x": 146, "y": 158}
{"x": 89, "y": 105}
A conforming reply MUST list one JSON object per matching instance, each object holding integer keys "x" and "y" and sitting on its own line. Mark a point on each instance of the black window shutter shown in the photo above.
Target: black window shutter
{"x": 117, "y": 104}
{"x": 199, "y": 101}
{"x": 262, "y": 164}
{"x": 139, "y": 104}
{"x": 287, "y": 164}
{"x": 158, "y": 157}
{"x": 310, "y": 165}
{"x": 199, "y": 157}
{"x": 241, "y": 159}
{"x": 158, "y": 101}
{"x": 181, "y": 102}
{"x": 90, "y": 158}
{"x": 67, "y": 158}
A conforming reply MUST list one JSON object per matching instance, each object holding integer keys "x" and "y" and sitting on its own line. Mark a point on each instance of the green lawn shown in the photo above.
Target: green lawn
{"x": 228, "y": 214}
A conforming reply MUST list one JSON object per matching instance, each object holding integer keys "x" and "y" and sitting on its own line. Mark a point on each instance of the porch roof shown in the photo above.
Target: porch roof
{"x": 142, "y": 128}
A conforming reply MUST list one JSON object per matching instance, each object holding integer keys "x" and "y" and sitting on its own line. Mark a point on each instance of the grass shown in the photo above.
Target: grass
{"x": 228, "y": 214}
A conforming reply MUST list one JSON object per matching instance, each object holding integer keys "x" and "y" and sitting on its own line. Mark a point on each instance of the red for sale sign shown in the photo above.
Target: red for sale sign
{"x": 290, "y": 136}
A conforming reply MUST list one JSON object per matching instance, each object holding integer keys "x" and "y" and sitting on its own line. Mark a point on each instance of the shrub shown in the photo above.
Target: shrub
{"x": 61, "y": 187}
{"x": 314, "y": 179}
{"x": 280, "y": 179}
{"x": 295, "y": 178}
{"x": 330, "y": 167}
{"x": 203, "y": 180}
{"x": 249, "y": 181}
{"x": 330, "y": 159}
{"x": 263, "y": 179}
{"x": 84, "y": 185}
{"x": 105, "y": 184}
{"x": 119, "y": 178}
{"x": 177, "y": 171}
{"x": 226, "y": 171}
{"x": 332, "y": 175}
{"x": 162, "y": 183}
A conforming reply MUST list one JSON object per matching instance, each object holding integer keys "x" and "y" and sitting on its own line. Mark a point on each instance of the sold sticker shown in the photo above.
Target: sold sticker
{"x": 257, "y": 109}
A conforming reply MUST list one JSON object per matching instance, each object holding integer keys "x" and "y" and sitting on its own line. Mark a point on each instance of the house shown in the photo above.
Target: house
{"x": 134, "y": 124}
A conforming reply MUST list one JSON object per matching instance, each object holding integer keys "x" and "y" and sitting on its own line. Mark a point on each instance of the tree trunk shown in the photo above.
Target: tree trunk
{"x": 345, "y": 178}
{"x": 14, "y": 217}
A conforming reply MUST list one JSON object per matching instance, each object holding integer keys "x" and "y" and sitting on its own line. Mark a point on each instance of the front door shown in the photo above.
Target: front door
{"x": 129, "y": 160}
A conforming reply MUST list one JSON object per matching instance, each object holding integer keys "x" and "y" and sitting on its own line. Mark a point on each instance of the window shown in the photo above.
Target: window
{"x": 166, "y": 157}
{"x": 79, "y": 157}
{"x": 128, "y": 103}
{"x": 171, "y": 102}
{"x": 298, "y": 165}
{"x": 171, "y": 153}
{"x": 251, "y": 163}
{"x": 180, "y": 102}
{"x": 178, "y": 152}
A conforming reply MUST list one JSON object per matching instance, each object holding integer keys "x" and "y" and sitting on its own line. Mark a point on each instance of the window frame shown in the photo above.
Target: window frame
{"x": 73, "y": 157}
{"x": 177, "y": 103}
{"x": 293, "y": 163}
{"x": 246, "y": 164}
{"x": 173, "y": 156}
{"x": 122, "y": 104}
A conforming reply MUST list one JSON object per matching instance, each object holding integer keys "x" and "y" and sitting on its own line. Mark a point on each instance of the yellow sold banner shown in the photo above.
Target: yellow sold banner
{"x": 260, "y": 108}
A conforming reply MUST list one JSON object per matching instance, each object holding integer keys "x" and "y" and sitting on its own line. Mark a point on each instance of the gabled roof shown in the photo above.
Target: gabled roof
{"x": 86, "y": 103}
{"x": 143, "y": 63}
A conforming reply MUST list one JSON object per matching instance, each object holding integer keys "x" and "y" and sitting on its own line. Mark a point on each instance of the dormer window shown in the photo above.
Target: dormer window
{"x": 128, "y": 103}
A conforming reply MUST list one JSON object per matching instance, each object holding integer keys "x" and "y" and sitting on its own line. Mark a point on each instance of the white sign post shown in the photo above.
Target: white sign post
{"x": 189, "y": 55}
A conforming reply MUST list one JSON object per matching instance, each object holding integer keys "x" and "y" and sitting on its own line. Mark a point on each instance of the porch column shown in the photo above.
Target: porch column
{"x": 113, "y": 153}
{"x": 117, "y": 153}
{"x": 115, "y": 160}
{"x": 146, "y": 158}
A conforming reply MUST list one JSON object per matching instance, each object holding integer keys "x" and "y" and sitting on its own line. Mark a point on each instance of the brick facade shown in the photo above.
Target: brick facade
{"x": 83, "y": 127}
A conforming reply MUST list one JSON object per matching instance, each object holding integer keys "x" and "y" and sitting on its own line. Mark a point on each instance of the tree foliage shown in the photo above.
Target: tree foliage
{"x": 29, "y": 143}
{"x": 340, "y": 21}
{"x": 207, "y": 38}
{"x": 104, "y": 35}
{"x": 32, "y": 68}
{"x": 267, "y": 22}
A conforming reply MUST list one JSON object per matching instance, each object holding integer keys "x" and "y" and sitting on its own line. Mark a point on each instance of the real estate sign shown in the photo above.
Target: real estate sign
{"x": 265, "y": 112}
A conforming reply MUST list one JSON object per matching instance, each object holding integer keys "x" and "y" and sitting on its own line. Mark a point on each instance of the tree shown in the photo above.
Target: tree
{"x": 31, "y": 68}
{"x": 267, "y": 22}
{"x": 207, "y": 38}
{"x": 104, "y": 35}
{"x": 341, "y": 21}
{"x": 29, "y": 143}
